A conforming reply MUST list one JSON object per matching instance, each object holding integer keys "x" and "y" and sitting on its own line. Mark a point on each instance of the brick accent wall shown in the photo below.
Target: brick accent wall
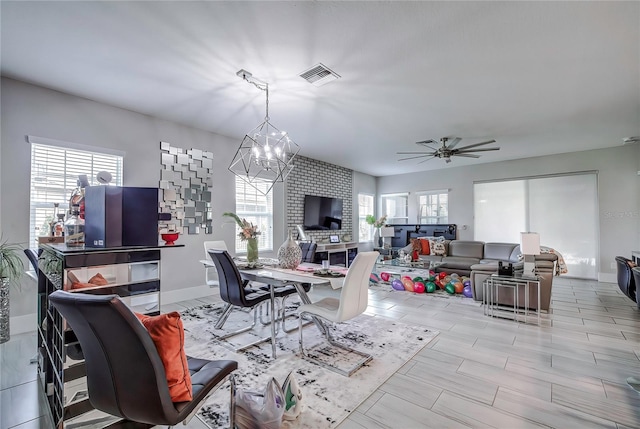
{"x": 312, "y": 177}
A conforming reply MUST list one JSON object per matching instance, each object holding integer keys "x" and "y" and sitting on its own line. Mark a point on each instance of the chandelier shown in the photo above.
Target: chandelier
{"x": 266, "y": 153}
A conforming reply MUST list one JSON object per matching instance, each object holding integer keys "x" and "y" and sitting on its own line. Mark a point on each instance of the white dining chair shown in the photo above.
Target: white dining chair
{"x": 211, "y": 274}
{"x": 353, "y": 301}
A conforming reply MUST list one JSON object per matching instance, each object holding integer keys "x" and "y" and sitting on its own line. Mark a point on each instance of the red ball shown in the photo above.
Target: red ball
{"x": 442, "y": 275}
{"x": 418, "y": 287}
{"x": 385, "y": 276}
{"x": 406, "y": 277}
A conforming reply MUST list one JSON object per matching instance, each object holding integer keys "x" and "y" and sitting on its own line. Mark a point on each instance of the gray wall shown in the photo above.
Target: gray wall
{"x": 618, "y": 192}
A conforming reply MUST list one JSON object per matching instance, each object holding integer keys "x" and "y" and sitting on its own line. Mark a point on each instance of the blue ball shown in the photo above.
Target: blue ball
{"x": 467, "y": 291}
{"x": 397, "y": 284}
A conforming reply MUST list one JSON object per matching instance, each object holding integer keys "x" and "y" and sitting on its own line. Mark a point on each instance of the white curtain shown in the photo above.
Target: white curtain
{"x": 562, "y": 209}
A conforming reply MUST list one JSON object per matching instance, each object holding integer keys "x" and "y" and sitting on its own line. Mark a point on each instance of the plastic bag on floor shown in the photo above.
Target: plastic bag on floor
{"x": 260, "y": 410}
{"x": 292, "y": 398}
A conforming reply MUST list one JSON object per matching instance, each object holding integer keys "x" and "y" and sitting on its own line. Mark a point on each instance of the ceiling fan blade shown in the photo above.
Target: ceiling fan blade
{"x": 413, "y": 153}
{"x": 476, "y": 144}
{"x": 414, "y": 157}
{"x": 425, "y": 160}
{"x": 486, "y": 149}
{"x": 466, "y": 155}
{"x": 454, "y": 142}
{"x": 430, "y": 141}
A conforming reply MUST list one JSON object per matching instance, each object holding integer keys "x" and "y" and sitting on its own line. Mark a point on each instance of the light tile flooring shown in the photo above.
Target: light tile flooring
{"x": 479, "y": 372}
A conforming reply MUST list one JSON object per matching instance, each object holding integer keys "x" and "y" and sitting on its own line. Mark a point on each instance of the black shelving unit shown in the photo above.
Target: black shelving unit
{"x": 133, "y": 273}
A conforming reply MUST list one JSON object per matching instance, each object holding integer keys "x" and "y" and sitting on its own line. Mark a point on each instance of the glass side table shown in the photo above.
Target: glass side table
{"x": 494, "y": 285}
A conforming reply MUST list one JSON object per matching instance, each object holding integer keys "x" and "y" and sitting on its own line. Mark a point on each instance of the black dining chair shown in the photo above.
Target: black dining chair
{"x": 308, "y": 251}
{"x": 236, "y": 293}
{"x": 626, "y": 282}
{"x": 125, "y": 374}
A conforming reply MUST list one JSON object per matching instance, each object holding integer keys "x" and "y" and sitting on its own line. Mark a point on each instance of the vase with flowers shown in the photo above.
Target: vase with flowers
{"x": 249, "y": 233}
{"x": 377, "y": 224}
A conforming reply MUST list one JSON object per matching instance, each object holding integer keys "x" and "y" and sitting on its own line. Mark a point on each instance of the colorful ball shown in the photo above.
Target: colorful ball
{"x": 432, "y": 273}
{"x": 373, "y": 278}
{"x": 458, "y": 287}
{"x": 405, "y": 277}
{"x": 454, "y": 275}
{"x": 397, "y": 284}
{"x": 446, "y": 279}
{"x": 408, "y": 284}
{"x": 385, "y": 276}
{"x": 467, "y": 283}
{"x": 430, "y": 287}
{"x": 418, "y": 279}
{"x": 467, "y": 292}
{"x": 442, "y": 275}
{"x": 450, "y": 289}
{"x": 418, "y": 287}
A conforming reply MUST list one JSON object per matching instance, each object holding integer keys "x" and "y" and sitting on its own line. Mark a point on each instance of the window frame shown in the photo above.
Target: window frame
{"x": 365, "y": 230}
{"x": 265, "y": 227}
{"x": 77, "y": 159}
{"x": 439, "y": 218}
{"x": 395, "y": 220}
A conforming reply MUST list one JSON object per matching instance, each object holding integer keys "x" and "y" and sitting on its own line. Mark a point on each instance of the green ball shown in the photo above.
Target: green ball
{"x": 431, "y": 287}
{"x": 432, "y": 278}
{"x": 418, "y": 279}
{"x": 450, "y": 288}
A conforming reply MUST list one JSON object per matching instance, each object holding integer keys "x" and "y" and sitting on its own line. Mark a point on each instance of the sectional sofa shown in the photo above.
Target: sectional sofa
{"x": 479, "y": 260}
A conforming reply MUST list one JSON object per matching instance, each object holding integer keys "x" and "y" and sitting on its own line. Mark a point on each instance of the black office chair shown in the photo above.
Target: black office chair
{"x": 125, "y": 375}
{"x": 236, "y": 292}
{"x": 32, "y": 255}
{"x": 626, "y": 282}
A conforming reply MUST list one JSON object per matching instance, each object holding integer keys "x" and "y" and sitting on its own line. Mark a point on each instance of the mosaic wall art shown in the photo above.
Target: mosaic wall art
{"x": 185, "y": 181}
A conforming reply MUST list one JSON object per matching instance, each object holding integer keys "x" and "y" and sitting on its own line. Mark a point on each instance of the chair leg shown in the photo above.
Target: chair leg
{"x": 285, "y": 317}
{"x": 348, "y": 372}
{"x": 241, "y": 331}
{"x": 232, "y": 402}
{"x": 224, "y": 316}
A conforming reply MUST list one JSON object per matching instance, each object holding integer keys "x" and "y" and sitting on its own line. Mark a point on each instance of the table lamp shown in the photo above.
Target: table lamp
{"x": 529, "y": 247}
{"x": 385, "y": 232}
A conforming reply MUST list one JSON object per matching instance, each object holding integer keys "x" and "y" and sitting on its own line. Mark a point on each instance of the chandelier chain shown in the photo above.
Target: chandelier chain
{"x": 262, "y": 86}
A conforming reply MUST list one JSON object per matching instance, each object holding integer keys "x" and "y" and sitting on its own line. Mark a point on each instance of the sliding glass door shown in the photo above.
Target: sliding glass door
{"x": 562, "y": 209}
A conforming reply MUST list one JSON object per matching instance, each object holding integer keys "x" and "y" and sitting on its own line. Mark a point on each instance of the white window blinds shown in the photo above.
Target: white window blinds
{"x": 256, "y": 208}
{"x": 54, "y": 175}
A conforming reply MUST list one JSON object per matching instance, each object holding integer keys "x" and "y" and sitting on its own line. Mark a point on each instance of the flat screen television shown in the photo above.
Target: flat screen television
{"x": 322, "y": 213}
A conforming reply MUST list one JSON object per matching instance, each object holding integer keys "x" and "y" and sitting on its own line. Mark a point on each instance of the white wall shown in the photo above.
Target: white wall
{"x": 618, "y": 189}
{"x": 32, "y": 110}
{"x": 362, "y": 184}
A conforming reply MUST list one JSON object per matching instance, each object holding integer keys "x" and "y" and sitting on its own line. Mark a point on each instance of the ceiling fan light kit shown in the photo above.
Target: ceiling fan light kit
{"x": 446, "y": 152}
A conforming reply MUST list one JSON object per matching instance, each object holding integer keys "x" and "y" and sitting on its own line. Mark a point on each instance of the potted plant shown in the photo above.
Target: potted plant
{"x": 377, "y": 224}
{"x": 249, "y": 233}
{"x": 11, "y": 269}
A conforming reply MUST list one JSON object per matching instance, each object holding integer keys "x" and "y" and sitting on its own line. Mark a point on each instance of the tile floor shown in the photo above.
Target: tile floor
{"x": 479, "y": 372}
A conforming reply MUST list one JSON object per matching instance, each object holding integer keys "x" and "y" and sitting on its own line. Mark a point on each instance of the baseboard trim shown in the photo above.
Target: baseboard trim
{"x": 607, "y": 277}
{"x": 195, "y": 292}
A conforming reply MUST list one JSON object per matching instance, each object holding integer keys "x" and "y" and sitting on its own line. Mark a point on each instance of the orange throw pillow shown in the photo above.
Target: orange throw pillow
{"x": 98, "y": 280}
{"x": 167, "y": 333}
{"x": 425, "y": 247}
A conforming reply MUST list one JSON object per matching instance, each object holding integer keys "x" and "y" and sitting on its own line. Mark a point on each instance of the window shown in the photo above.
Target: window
{"x": 396, "y": 207}
{"x": 54, "y": 175}
{"x": 563, "y": 209}
{"x": 365, "y": 208}
{"x": 256, "y": 208}
{"x": 433, "y": 207}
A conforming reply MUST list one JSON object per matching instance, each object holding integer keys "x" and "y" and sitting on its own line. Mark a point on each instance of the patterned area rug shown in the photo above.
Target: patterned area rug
{"x": 327, "y": 397}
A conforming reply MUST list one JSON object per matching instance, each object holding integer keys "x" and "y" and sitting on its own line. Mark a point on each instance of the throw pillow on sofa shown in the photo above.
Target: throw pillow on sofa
{"x": 436, "y": 246}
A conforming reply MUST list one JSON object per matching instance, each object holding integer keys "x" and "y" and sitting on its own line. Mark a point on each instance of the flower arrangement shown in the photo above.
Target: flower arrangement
{"x": 247, "y": 229}
{"x": 377, "y": 223}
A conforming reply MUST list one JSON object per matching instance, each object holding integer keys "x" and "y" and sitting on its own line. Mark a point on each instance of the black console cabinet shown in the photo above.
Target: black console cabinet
{"x": 133, "y": 273}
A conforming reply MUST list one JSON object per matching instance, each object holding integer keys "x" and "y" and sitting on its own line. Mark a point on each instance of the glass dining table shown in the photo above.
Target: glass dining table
{"x": 266, "y": 271}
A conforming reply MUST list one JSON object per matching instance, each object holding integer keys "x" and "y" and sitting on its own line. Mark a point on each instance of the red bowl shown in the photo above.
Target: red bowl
{"x": 170, "y": 237}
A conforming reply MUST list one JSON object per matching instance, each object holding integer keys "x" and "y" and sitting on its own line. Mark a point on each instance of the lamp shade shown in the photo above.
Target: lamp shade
{"x": 530, "y": 243}
{"x": 387, "y": 231}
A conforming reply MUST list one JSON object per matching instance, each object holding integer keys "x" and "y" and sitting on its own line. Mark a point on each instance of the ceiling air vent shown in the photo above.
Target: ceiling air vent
{"x": 319, "y": 75}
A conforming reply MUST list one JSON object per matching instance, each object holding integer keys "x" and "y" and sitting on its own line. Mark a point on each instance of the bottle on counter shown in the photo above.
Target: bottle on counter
{"x": 58, "y": 227}
{"x": 52, "y": 224}
{"x": 74, "y": 228}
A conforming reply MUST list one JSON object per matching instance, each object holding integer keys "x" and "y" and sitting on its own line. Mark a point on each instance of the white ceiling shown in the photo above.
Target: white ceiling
{"x": 538, "y": 77}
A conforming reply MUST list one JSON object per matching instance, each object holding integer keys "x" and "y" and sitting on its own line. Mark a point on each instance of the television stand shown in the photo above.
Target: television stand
{"x": 339, "y": 254}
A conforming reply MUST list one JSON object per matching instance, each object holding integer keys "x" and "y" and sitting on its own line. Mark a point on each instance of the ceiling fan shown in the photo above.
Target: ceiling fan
{"x": 446, "y": 152}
